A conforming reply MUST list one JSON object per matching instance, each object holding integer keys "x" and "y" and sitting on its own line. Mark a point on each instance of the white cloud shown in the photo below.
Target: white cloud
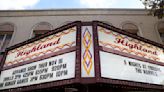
{"x": 97, "y": 3}
{"x": 136, "y": 4}
{"x": 17, "y": 4}
{"x": 111, "y": 3}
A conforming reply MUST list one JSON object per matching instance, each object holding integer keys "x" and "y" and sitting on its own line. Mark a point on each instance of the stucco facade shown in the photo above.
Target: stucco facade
{"x": 25, "y": 20}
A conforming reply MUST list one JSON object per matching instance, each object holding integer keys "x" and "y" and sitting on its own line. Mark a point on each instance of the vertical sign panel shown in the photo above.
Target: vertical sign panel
{"x": 87, "y": 54}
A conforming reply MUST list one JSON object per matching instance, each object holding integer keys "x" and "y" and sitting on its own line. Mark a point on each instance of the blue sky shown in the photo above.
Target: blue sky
{"x": 50, "y": 4}
{"x": 60, "y": 4}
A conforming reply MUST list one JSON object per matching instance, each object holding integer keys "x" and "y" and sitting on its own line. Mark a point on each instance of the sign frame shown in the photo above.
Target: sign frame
{"x": 117, "y": 81}
{"x": 75, "y": 49}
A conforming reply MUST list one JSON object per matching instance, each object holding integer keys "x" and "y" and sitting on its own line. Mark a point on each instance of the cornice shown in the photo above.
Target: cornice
{"x": 71, "y": 12}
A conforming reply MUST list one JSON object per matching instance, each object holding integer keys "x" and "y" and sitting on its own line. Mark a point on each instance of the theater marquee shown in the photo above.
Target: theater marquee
{"x": 83, "y": 53}
{"x": 49, "y": 59}
{"x": 119, "y": 54}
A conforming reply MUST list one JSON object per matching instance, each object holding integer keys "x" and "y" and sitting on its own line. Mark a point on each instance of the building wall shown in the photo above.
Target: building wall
{"x": 25, "y": 20}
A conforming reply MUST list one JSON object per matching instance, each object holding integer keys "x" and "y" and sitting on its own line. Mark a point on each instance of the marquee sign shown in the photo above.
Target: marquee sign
{"x": 47, "y": 45}
{"x": 47, "y": 70}
{"x": 40, "y": 61}
{"x": 123, "y": 43}
{"x": 83, "y": 52}
{"x": 123, "y": 68}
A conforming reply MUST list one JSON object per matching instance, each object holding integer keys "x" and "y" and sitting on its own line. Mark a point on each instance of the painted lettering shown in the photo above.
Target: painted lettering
{"x": 133, "y": 45}
{"x": 37, "y": 48}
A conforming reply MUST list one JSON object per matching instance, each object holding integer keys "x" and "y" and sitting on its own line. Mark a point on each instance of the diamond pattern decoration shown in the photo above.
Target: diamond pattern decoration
{"x": 87, "y": 56}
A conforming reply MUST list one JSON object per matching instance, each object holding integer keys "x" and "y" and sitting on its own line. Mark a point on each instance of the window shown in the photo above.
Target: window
{"x": 130, "y": 27}
{"x": 41, "y": 28}
{"x": 161, "y": 30}
{"x": 6, "y": 31}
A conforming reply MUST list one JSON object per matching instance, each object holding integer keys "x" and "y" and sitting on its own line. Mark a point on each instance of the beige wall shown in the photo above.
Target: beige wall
{"x": 24, "y": 21}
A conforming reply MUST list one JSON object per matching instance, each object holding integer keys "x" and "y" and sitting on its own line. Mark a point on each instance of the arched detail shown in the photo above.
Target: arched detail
{"x": 131, "y": 27}
{"x": 41, "y": 28}
{"x": 7, "y": 31}
{"x": 6, "y": 27}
